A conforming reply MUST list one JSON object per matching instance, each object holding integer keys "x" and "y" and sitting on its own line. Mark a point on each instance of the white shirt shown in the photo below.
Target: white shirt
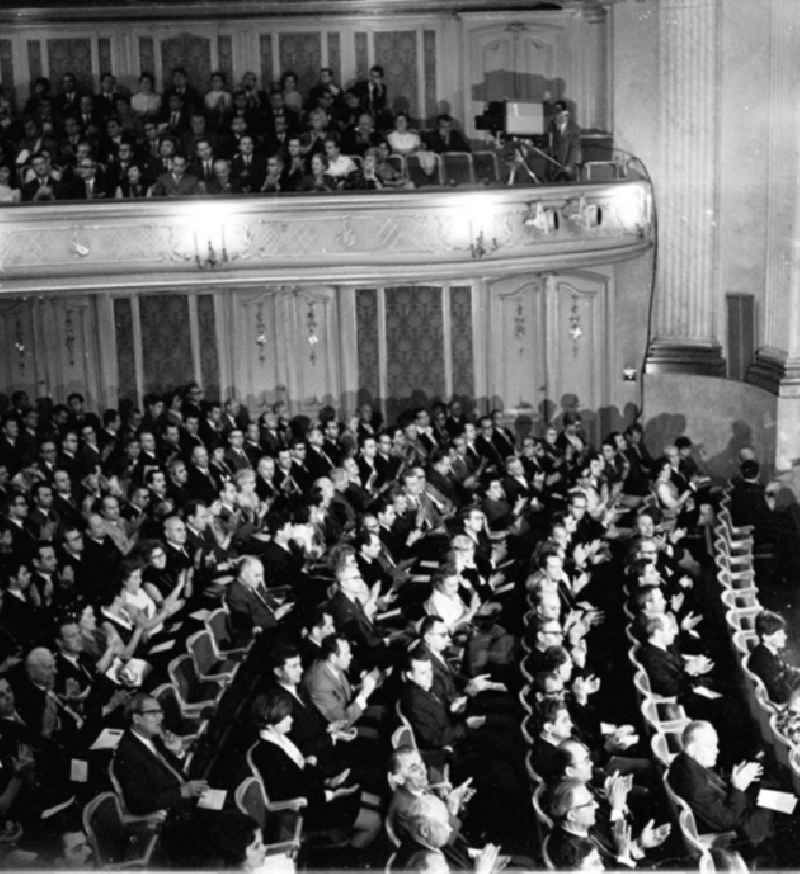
{"x": 342, "y": 166}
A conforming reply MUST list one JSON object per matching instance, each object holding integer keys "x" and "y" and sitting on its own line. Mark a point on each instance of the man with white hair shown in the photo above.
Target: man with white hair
{"x": 718, "y": 804}
{"x": 251, "y": 606}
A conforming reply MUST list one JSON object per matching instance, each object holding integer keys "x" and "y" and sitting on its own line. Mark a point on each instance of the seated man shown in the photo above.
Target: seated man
{"x": 409, "y": 780}
{"x": 765, "y": 662}
{"x": 250, "y": 604}
{"x": 151, "y": 779}
{"x": 718, "y": 804}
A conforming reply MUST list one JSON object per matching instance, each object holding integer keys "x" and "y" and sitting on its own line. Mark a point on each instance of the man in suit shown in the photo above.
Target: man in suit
{"x": 563, "y": 146}
{"x": 373, "y": 98}
{"x": 248, "y": 168}
{"x": 44, "y": 184}
{"x": 329, "y": 688}
{"x": 177, "y": 182}
{"x": 250, "y": 604}
{"x": 446, "y": 138}
{"x": 203, "y": 164}
{"x": 200, "y": 485}
{"x": 151, "y": 779}
{"x": 765, "y": 661}
{"x": 68, "y": 101}
{"x": 718, "y": 804}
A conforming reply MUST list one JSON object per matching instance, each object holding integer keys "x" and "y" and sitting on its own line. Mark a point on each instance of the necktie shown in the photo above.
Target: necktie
{"x": 175, "y": 117}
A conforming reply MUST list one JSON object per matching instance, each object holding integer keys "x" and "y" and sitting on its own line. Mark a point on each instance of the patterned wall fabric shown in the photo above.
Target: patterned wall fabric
{"x": 429, "y": 42}
{"x": 414, "y": 347}
{"x": 396, "y": 52}
{"x": 104, "y": 55}
{"x": 209, "y": 363}
{"x": 35, "y": 58}
{"x": 302, "y": 53}
{"x": 147, "y": 59}
{"x": 126, "y": 368}
{"x": 6, "y": 64}
{"x": 367, "y": 340}
{"x": 265, "y": 49}
{"x": 191, "y": 52}
{"x": 166, "y": 344}
{"x": 461, "y": 340}
{"x": 335, "y": 55}
{"x": 70, "y": 56}
{"x": 362, "y": 55}
{"x": 225, "y": 54}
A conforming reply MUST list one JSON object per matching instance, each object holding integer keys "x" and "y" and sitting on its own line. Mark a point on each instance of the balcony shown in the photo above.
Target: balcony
{"x": 412, "y": 235}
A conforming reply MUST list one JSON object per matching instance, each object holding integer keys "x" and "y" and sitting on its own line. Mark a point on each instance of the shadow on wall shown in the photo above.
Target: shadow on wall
{"x": 510, "y": 84}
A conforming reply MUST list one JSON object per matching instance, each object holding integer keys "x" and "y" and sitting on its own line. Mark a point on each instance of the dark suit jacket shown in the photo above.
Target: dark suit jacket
{"x": 168, "y": 186}
{"x": 250, "y": 178}
{"x": 351, "y": 620}
{"x": 455, "y": 143}
{"x": 665, "y": 670}
{"x": 201, "y": 487}
{"x": 283, "y": 779}
{"x": 716, "y": 804}
{"x": 249, "y": 610}
{"x": 430, "y": 719}
{"x": 779, "y": 678}
{"x": 147, "y": 784}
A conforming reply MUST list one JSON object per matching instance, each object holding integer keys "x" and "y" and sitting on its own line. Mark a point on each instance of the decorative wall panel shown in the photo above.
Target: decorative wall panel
{"x": 362, "y": 54}
{"x": 429, "y": 42}
{"x": 147, "y": 59}
{"x": 209, "y": 360}
{"x": 367, "y": 340}
{"x": 313, "y": 350}
{"x": 6, "y": 64}
{"x": 335, "y": 55}
{"x": 265, "y": 54}
{"x": 396, "y": 52}
{"x": 225, "y": 55}
{"x": 126, "y": 363}
{"x": 34, "y": 58}
{"x": 166, "y": 344}
{"x": 461, "y": 340}
{"x": 17, "y": 347}
{"x": 189, "y": 51}
{"x": 302, "y": 54}
{"x": 517, "y": 338}
{"x": 414, "y": 347}
{"x": 104, "y": 55}
{"x": 71, "y": 56}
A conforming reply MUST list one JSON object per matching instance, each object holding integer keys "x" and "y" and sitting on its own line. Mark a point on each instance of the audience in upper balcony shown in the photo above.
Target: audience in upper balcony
{"x": 110, "y": 143}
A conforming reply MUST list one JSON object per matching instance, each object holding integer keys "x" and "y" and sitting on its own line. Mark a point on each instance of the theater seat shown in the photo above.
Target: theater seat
{"x": 485, "y": 167}
{"x": 196, "y": 697}
{"x": 185, "y": 727}
{"x": 208, "y": 666}
{"x": 218, "y": 625}
{"x": 251, "y": 799}
{"x": 457, "y": 168}
{"x": 116, "y": 844}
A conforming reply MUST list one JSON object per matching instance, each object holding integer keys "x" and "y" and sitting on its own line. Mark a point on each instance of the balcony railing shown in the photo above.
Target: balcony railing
{"x": 344, "y": 235}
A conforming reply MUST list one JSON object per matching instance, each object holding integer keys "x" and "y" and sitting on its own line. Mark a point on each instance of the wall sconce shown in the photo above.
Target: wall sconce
{"x": 212, "y": 259}
{"x": 575, "y": 329}
{"x": 312, "y": 337}
{"x": 629, "y": 374}
{"x": 480, "y": 249}
{"x": 544, "y": 220}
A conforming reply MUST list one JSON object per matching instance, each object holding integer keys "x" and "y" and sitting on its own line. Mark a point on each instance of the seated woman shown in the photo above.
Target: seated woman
{"x": 157, "y": 581}
{"x": 447, "y": 602}
{"x": 133, "y": 186}
{"x": 401, "y": 139}
{"x": 218, "y": 101}
{"x": 389, "y": 175}
{"x": 676, "y": 507}
{"x": 9, "y": 193}
{"x": 318, "y": 179}
{"x": 146, "y": 102}
{"x": 286, "y": 773}
{"x": 292, "y": 98}
{"x": 135, "y": 604}
{"x": 103, "y": 642}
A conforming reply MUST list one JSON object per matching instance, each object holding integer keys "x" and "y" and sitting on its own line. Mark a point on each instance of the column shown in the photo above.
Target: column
{"x": 686, "y": 186}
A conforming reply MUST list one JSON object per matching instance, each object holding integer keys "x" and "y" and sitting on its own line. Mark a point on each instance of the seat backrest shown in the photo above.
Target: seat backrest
{"x": 538, "y": 797}
{"x": 167, "y": 698}
{"x": 683, "y": 815}
{"x": 457, "y": 168}
{"x": 102, "y": 821}
{"x": 485, "y": 167}
{"x": 600, "y": 171}
{"x": 201, "y": 649}
{"x": 183, "y": 675}
{"x": 548, "y": 864}
{"x": 218, "y": 625}
{"x": 661, "y": 750}
{"x": 251, "y": 799}
{"x": 418, "y": 176}
{"x": 398, "y": 162}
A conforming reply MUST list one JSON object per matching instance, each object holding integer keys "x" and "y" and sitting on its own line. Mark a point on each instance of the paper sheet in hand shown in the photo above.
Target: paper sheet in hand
{"x": 134, "y": 668}
{"x": 166, "y": 646}
{"x": 772, "y": 799}
{"x": 212, "y": 799}
{"x": 200, "y": 615}
{"x": 78, "y": 771}
{"x": 388, "y": 614}
{"x": 430, "y": 565}
{"x": 108, "y": 739}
